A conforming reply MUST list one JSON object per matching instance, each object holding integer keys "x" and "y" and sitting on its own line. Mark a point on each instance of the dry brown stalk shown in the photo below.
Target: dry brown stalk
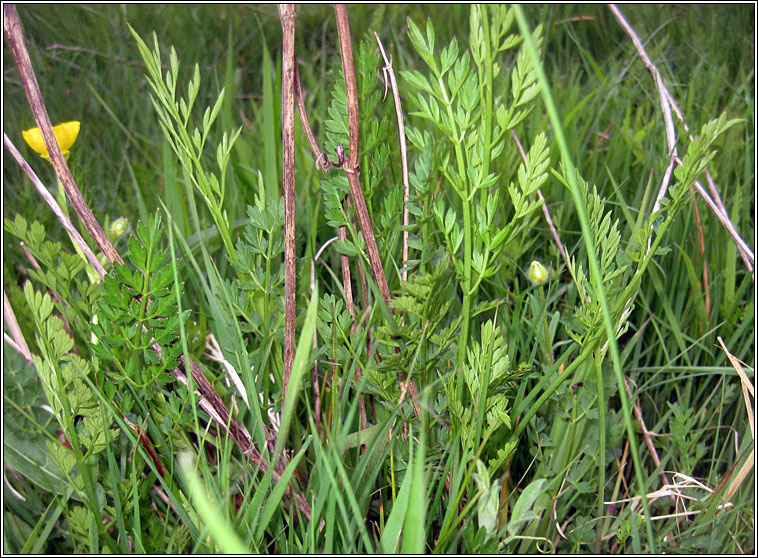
{"x": 351, "y": 165}
{"x": 351, "y": 169}
{"x": 322, "y": 161}
{"x": 287, "y": 16}
{"x": 210, "y": 400}
{"x": 15, "y": 38}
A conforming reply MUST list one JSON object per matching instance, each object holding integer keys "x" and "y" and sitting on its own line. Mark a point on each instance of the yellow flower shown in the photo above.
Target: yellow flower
{"x": 65, "y": 135}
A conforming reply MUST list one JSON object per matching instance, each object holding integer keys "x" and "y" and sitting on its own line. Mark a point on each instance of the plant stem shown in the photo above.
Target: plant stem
{"x": 287, "y": 15}
{"x": 546, "y": 329}
{"x": 486, "y": 95}
{"x": 601, "y": 449}
{"x": 351, "y": 165}
{"x": 72, "y": 435}
{"x": 462, "y": 188}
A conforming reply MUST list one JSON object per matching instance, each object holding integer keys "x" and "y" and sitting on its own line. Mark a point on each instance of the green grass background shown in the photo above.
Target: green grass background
{"x": 89, "y": 69}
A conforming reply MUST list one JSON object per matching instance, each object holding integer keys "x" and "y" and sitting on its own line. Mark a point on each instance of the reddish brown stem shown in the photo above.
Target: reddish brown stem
{"x": 352, "y": 171}
{"x": 322, "y": 161}
{"x": 351, "y": 166}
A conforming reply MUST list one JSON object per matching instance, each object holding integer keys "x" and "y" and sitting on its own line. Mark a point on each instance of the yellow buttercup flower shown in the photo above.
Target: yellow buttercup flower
{"x": 65, "y": 135}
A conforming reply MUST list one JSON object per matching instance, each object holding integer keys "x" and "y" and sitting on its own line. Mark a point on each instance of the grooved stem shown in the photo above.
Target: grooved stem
{"x": 287, "y": 15}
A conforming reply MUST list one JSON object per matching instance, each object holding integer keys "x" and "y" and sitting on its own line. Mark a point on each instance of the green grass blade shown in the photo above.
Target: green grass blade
{"x": 270, "y": 165}
{"x": 392, "y": 529}
{"x": 38, "y": 537}
{"x": 278, "y": 493}
{"x": 219, "y": 527}
{"x": 414, "y": 527}
{"x": 113, "y": 473}
{"x": 594, "y": 267}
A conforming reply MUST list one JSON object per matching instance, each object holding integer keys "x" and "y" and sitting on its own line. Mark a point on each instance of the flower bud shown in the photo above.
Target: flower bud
{"x": 119, "y": 227}
{"x": 537, "y": 273}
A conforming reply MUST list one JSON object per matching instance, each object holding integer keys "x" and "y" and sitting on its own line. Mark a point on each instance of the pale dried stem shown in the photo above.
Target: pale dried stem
{"x": 216, "y": 354}
{"x": 747, "y": 469}
{"x": 17, "y": 340}
{"x": 745, "y": 252}
{"x": 50, "y": 200}
{"x": 668, "y": 102}
{"x": 287, "y": 16}
{"x": 747, "y": 391}
{"x": 680, "y": 491}
{"x": 389, "y": 74}
{"x": 645, "y": 432}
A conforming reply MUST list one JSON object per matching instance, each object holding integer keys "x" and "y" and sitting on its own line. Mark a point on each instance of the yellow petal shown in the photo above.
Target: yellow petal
{"x": 34, "y": 138}
{"x": 65, "y": 135}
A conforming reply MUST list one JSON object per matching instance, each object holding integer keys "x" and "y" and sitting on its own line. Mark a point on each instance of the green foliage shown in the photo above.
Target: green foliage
{"x": 188, "y": 143}
{"x": 520, "y": 423}
{"x": 424, "y": 341}
{"x": 137, "y": 312}
{"x": 698, "y": 156}
{"x": 686, "y": 437}
{"x": 259, "y": 264}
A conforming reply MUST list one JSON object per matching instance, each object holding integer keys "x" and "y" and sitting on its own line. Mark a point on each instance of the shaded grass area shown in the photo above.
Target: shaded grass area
{"x": 89, "y": 69}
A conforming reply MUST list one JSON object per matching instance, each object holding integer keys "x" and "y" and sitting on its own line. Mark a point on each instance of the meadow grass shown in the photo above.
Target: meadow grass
{"x": 521, "y": 437}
